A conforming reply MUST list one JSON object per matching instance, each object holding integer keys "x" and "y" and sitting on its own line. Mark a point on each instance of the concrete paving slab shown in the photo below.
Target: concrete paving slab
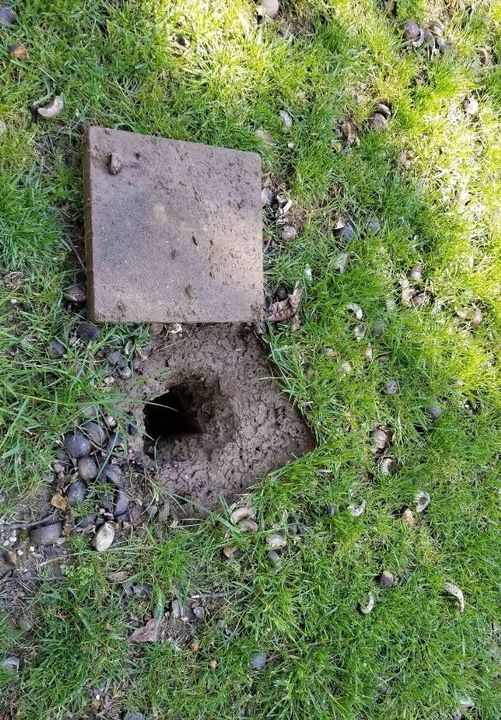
{"x": 173, "y": 230}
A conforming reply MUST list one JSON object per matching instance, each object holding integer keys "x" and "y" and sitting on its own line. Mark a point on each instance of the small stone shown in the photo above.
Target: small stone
{"x": 258, "y": 661}
{"x": 357, "y": 510}
{"x": 406, "y": 159}
{"x": 408, "y": 518}
{"x": 288, "y": 232}
{"x": 104, "y": 537}
{"x": 419, "y": 299}
{"x": 229, "y": 551}
{"x": 55, "y": 349}
{"x": 378, "y": 121}
{"x": 368, "y": 606}
{"x": 7, "y": 15}
{"x": 275, "y": 558}
{"x": 134, "y": 715}
{"x": 76, "y": 493}
{"x": 213, "y": 664}
{"x": 87, "y": 331}
{"x": 3, "y": 128}
{"x": 340, "y": 262}
{"x": 422, "y": 500}
{"x": 269, "y": 8}
{"x": 349, "y": 131}
{"x": 114, "y": 164}
{"x": 19, "y": 51}
{"x": 114, "y": 475}
{"x": 356, "y": 310}
{"x": 386, "y": 579}
{"x": 87, "y": 469}
{"x": 434, "y": 412}
{"x": 241, "y": 513}
{"x": 85, "y": 523}
{"x": 46, "y": 534}
{"x": 470, "y": 105}
{"x": 91, "y": 411}
{"x": 95, "y": 432}
{"x": 466, "y": 702}
{"x": 199, "y": 612}
{"x": 10, "y": 664}
{"x": 276, "y": 542}
{"x": 347, "y": 232}
{"x": 75, "y": 294}
{"x": 194, "y": 646}
{"x": 383, "y": 109}
{"x": 359, "y": 331}
{"x": 346, "y": 368}
{"x": 267, "y": 196}
{"x": 53, "y": 109}
{"x": 379, "y": 438}
{"x": 456, "y": 593}
{"x": 387, "y": 465}
{"x": 248, "y": 526}
{"x": 391, "y": 387}
{"x": 374, "y": 226}
{"x": 286, "y": 119}
{"x": 416, "y": 273}
{"x": 77, "y": 444}
{"x": 411, "y": 30}
{"x": 368, "y": 352}
{"x": 116, "y": 359}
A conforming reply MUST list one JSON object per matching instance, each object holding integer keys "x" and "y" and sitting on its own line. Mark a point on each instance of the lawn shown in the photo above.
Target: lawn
{"x": 208, "y": 72}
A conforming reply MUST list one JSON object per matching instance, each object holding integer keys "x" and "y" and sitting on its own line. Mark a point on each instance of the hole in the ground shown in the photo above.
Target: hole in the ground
{"x": 184, "y": 409}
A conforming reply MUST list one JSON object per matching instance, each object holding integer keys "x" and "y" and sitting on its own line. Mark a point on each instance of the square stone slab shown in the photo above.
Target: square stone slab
{"x": 175, "y": 235}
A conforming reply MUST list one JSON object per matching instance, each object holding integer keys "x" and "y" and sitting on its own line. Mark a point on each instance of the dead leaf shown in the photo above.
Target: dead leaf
{"x": 118, "y": 577}
{"x": 285, "y": 309}
{"x": 59, "y": 501}
{"x": 149, "y": 633}
{"x": 456, "y": 593}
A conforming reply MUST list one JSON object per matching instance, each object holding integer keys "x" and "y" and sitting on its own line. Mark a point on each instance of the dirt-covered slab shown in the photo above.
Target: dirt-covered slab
{"x": 211, "y": 417}
{"x": 173, "y": 230}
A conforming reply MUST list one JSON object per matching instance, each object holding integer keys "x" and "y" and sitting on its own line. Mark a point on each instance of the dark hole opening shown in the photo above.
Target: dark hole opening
{"x": 180, "y": 411}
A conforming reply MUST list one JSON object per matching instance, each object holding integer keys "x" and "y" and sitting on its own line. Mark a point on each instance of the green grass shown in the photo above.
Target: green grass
{"x": 414, "y": 656}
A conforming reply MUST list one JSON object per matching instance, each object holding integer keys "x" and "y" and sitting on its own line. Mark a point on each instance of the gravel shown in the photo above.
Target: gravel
{"x": 77, "y": 444}
{"x": 87, "y": 469}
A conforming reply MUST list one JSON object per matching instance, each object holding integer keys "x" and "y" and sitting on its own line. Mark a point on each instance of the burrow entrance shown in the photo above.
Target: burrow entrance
{"x": 214, "y": 421}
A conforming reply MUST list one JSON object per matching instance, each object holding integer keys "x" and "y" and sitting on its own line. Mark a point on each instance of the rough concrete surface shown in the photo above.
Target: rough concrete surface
{"x": 230, "y": 424}
{"x": 173, "y": 230}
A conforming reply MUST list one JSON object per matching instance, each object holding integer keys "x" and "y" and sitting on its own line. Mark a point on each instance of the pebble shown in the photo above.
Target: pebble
{"x": 411, "y": 30}
{"x": 10, "y": 664}
{"x": 288, "y": 232}
{"x": 213, "y": 664}
{"x": 87, "y": 331}
{"x": 391, "y": 387}
{"x": 387, "y": 465}
{"x": 85, "y": 523}
{"x": 95, "y": 432}
{"x": 347, "y": 232}
{"x": 248, "y": 526}
{"x": 121, "y": 506}
{"x": 267, "y": 196}
{"x": 91, "y": 411}
{"x": 104, "y": 537}
{"x": 87, "y": 468}
{"x": 357, "y": 510}
{"x": 275, "y": 558}
{"x": 55, "y": 349}
{"x": 258, "y": 661}
{"x": 422, "y": 500}
{"x": 345, "y": 368}
{"x": 156, "y": 328}
{"x": 115, "y": 358}
{"x": 229, "y": 551}
{"x": 386, "y": 579}
{"x": 114, "y": 475}
{"x": 46, "y": 534}
{"x": 199, "y": 612}
{"x": 114, "y": 164}
{"x": 176, "y": 609}
{"x": 378, "y": 121}
{"x": 76, "y": 493}
{"x": 368, "y": 606}
{"x": 134, "y": 715}
{"x": 7, "y": 15}
{"x": 286, "y": 119}
{"x": 270, "y": 8}
{"x": 416, "y": 273}
{"x": 356, "y": 310}
{"x": 434, "y": 412}
{"x": 379, "y": 438}
{"x": 75, "y": 294}
{"x": 77, "y": 444}
{"x": 241, "y": 513}
{"x": 19, "y": 51}
{"x": 374, "y": 226}
{"x": 3, "y": 128}
{"x": 408, "y": 518}
{"x": 276, "y": 542}
{"x": 340, "y": 262}
{"x": 52, "y": 109}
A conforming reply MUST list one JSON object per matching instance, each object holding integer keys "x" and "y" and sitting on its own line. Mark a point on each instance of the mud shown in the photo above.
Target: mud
{"x": 211, "y": 418}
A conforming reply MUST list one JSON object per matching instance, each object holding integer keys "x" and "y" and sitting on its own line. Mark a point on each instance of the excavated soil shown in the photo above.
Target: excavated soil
{"x": 211, "y": 418}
